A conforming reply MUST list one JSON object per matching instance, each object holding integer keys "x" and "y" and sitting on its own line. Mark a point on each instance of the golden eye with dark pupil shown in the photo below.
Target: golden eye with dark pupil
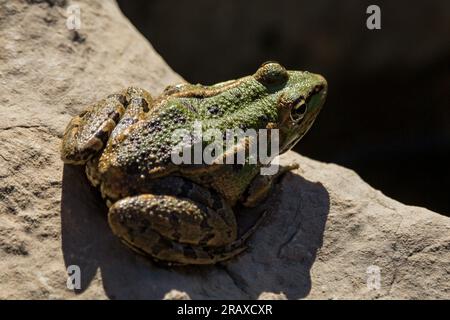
{"x": 299, "y": 109}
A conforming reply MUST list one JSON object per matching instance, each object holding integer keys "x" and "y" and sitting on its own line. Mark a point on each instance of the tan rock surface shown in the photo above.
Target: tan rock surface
{"x": 328, "y": 233}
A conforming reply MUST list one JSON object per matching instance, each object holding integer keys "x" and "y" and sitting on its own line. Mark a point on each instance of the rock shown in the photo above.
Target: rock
{"x": 272, "y": 296}
{"x": 328, "y": 234}
{"x": 176, "y": 295}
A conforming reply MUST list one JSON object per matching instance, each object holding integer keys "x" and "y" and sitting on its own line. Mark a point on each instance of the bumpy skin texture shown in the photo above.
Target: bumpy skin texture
{"x": 182, "y": 214}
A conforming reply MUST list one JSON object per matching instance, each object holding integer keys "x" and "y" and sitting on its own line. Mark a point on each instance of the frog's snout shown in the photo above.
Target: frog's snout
{"x": 322, "y": 80}
{"x": 320, "y": 88}
{"x": 319, "y": 93}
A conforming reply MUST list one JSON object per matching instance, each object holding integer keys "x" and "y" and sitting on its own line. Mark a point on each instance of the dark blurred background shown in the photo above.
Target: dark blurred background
{"x": 388, "y": 113}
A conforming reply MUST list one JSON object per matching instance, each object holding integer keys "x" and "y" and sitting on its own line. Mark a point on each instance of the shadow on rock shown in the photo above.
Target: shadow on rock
{"x": 284, "y": 249}
{"x": 279, "y": 258}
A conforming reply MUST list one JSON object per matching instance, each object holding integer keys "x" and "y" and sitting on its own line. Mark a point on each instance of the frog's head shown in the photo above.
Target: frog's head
{"x": 298, "y": 95}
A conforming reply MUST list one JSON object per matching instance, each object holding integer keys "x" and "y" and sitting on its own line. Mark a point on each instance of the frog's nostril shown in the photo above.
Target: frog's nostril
{"x": 322, "y": 83}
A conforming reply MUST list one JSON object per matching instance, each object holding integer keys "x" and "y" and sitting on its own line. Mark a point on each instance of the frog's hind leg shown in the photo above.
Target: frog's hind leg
{"x": 87, "y": 133}
{"x": 176, "y": 230}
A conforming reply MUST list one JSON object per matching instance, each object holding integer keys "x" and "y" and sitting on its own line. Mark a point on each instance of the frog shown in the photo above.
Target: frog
{"x": 184, "y": 214}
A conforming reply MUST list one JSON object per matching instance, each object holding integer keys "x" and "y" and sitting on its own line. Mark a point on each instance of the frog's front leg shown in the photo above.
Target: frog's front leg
{"x": 262, "y": 184}
{"x": 175, "y": 229}
{"x": 87, "y": 134}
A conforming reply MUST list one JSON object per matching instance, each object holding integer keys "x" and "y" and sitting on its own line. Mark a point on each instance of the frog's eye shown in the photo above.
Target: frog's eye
{"x": 271, "y": 73}
{"x": 298, "y": 110}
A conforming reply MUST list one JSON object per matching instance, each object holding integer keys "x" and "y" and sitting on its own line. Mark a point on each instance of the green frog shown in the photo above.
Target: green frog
{"x": 183, "y": 213}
